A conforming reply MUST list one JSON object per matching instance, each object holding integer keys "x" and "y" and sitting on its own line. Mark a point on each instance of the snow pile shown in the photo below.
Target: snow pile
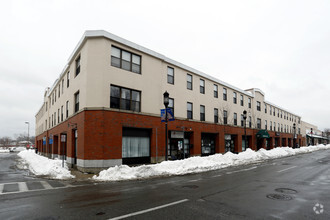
{"x": 42, "y": 166}
{"x": 3, "y": 150}
{"x": 19, "y": 149}
{"x": 199, "y": 164}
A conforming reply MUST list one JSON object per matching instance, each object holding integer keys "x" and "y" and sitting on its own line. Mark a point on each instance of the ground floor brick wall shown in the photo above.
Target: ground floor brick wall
{"x": 100, "y": 135}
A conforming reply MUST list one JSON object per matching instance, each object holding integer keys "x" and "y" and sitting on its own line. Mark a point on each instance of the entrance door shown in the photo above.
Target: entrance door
{"x": 259, "y": 143}
{"x": 229, "y": 146}
{"x": 75, "y": 146}
{"x": 176, "y": 149}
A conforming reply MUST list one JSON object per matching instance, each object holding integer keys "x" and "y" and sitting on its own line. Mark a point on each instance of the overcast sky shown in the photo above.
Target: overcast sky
{"x": 280, "y": 47}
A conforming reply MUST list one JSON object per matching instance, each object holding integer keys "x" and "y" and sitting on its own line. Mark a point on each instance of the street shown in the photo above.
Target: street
{"x": 287, "y": 188}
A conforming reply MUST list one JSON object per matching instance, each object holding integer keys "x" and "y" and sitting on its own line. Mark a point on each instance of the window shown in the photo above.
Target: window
{"x": 249, "y": 102}
{"x": 76, "y": 102}
{"x": 49, "y": 123}
{"x": 170, "y": 75}
{"x": 225, "y": 117}
{"x": 278, "y": 127}
{"x": 68, "y": 79}
{"x": 281, "y": 128}
{"x": 77, "y": 66}
{"x": 54, "y": 118}
{"x": 59, "y": 90}
{"x": 189, "y": 110}
{"x": 265, "y": 108}
{"x": 135, "y": 147}
{"x": 273, "y": 111}
{"x": 270, "y": 126}
{"x": 270, "y": 110}
{"x": 265, "y": 124}
{"x": 126, "y": 99}
{"x": 281, "y": 114}
{"x": 202, "y": 86}
{"x": 258, "y": 106}
{"x": 62, "y": 113}
{"x": 46, "y": 124}
{"x": 250, "y": 122}
{"x": 274, "y": 126}
{"x": 225, "y": 94}
{"x": 189, "y": 82}
{"x": 216, "y": 118}
{"x": 125, "y": 60}
{"x": 202, "y": 113}
{"x": 235, "y": 97}
{"x": 242, "y": 120}
{"x": 62, "y": 85}
{"x": 242, "y": 100}
{"x": 258, "y": 123}
{"x": 171, "y": 104}
{"x": 215, "y": 88}
{"x": 58, "y": 116}
{"x": 67, "y": 109}
{"x": 235, "y": 119}
{"x": 55, "y": 95}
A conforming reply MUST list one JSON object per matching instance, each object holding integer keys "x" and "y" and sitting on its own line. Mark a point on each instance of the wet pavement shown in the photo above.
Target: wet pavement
{"x": 287, "y": 188}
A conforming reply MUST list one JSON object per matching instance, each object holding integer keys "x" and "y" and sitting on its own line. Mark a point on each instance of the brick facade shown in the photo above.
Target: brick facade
{"x": 100, "y": 136}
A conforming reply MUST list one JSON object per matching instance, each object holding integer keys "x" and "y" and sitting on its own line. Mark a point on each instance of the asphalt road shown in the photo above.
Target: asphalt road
{"x": 288, "y": 188}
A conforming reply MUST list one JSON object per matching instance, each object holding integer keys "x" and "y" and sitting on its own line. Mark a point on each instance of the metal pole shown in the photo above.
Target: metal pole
{"x": 156, "y": 146}
{"x": 245, "y": 133}
{"x": 166, "y": 134}
{"x": 184, "y": 155}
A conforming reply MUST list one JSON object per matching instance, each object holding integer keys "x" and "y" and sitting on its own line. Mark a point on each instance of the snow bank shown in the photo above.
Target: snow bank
{"x": 199, "y": 164}
{"x": 2, "y": 150}
{"x": 42, "y": 166}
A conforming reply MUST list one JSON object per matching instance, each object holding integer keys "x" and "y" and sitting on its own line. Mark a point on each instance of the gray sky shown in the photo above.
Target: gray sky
{"x": 280, "y": 47}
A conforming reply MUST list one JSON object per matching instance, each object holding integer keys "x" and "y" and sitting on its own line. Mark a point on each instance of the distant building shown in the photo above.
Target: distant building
{"x": 104, "y": 109}
{"x": 313, "y": 135}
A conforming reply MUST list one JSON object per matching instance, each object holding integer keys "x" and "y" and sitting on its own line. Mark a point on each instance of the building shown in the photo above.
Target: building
{"x": 104, "y": 109}
{"x": 313, "y": 135}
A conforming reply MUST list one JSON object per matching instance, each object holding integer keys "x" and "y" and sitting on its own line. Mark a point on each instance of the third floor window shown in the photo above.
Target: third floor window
{"x": 189, "y": 82}
{"x": 170, "y": 75}
{"x": 202, "y": 86}
{"x": 125, "y": 60}
{"x": 215, "y": 88}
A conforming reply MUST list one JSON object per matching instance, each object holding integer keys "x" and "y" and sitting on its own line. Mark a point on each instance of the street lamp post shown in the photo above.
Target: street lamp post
{"x": 294, "y": 135}
{"x": 28, "y": 123}
{"x": 166, "y": 102}
{"x": 312, "y": 141}
{"x": 244, "y": 117}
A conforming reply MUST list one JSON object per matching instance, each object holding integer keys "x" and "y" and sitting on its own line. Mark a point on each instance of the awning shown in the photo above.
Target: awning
{"x": 262, "y": 134}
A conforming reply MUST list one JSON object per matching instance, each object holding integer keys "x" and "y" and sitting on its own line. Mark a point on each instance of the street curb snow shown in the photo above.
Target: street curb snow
{"x": 200, "y": 164}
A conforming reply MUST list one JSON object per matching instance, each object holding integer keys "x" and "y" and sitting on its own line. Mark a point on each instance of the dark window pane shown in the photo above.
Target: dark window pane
{"x": 115, "y": 61}
{"x": 135, "y": 96}
{"x": 135, "y": 106}
{"x": 114, "y": 102}
{"x": 126, "y": 65}
{"x": 136, "y": 68}
{"x": 115, "y": 91}
{"x": 125, "y": 94}
{"x": 125, "y": 104}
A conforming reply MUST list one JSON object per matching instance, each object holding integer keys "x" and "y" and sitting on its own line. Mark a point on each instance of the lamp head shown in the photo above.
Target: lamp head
{"x": 166, "y": 98}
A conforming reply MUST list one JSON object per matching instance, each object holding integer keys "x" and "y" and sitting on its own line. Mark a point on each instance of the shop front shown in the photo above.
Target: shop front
{"x": 229, "y": 143}
{"x": 179, "y": 145}
{"x": 208, "y": 144}
{"x": 136, "y": 146}
{"x": 263, "y": 139}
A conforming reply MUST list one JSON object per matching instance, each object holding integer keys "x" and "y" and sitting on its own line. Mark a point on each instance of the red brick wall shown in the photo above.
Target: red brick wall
{"x": 100, "y": 134}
